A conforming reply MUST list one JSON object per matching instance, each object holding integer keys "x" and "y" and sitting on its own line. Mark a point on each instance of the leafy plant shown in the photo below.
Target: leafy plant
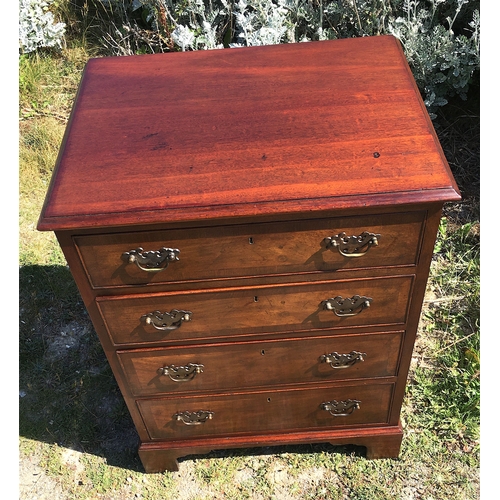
{"x": 443, "y": 63}
{"x": 37, "y": 28}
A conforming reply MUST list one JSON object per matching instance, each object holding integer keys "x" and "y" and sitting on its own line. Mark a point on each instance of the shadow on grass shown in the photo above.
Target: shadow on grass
{"x": 67, "y": 392}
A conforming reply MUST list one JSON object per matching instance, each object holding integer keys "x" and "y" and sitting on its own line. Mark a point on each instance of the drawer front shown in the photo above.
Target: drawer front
{"x": 249, "y": 250}
{"x": 266, "y": 411}
{"x": 220, "y": 367}
{"x": 254, "y": 310}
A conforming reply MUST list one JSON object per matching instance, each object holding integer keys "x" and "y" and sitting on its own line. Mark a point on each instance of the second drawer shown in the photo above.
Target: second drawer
{"x": 254, "y": 364}
{"x": 210, "y": 314}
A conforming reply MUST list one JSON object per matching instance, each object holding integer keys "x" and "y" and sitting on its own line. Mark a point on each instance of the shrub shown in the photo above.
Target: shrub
{"x": 36, "y": 26}
{"x": 442, "y": 62}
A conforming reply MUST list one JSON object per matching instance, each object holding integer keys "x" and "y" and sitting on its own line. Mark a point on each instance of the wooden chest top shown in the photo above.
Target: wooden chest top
{"x": 289, "y": 128}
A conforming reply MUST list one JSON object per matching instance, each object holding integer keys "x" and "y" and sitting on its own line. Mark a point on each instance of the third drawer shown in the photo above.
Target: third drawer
{"x": 229, "y": 366}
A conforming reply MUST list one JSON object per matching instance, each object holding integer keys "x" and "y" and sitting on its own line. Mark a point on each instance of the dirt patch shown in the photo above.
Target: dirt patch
{"x": 35, "y": 484}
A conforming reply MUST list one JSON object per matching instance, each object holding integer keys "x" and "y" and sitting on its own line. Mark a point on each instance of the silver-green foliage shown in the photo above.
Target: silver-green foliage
{"x": 37, "y": 28}
{"x": 442, "y": 62}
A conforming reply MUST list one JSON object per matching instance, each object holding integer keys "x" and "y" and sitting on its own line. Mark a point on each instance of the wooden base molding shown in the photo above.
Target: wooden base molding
{"x": 380, "y": 442}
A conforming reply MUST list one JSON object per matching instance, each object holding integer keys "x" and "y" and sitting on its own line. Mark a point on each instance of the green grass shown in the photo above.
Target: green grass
{"x": 445, "y": 392}
{"x": 74, "y": 424}
{"x": 48, "y": 81}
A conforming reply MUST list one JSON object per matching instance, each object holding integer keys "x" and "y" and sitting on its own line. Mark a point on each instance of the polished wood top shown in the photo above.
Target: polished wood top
{"x": 244, "y": 132}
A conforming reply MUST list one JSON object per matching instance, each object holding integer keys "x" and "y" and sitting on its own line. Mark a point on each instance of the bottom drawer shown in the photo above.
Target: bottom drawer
{"x": 266, "y": 411}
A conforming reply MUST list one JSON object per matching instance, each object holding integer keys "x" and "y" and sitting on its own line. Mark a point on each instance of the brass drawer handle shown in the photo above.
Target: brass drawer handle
{"x": 353, "y": 246}
{"x": 152, "y": 261}
{"x": 194, "y": 418}
{"x": 181, "y": 373}
{"x": 347, "y": 307}
{"x": 341, "y": 408}
{"x": 339, "y": 361}
{"x": 167, "y": 320}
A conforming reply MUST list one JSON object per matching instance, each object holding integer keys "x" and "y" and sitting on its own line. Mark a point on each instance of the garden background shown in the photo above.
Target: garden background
{"x": 76, "y": 439}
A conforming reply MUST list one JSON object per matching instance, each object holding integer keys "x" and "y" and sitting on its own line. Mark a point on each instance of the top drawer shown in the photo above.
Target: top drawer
{"x": 265, "y": 249}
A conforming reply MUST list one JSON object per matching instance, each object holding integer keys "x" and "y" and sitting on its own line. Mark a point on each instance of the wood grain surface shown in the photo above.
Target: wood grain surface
{"x": 236, "y": 312}
{"x": 266, "y": 411}
{"x": 252, "y": 249}
{"x": 237, "y": 365}
{"x": 285, "y": 128}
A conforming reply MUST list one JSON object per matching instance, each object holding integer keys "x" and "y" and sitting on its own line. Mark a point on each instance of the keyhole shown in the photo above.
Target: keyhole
{"x": 263, "y": 352}
{"x": 256, "y": 299}
{"x": 268, "y": 400}
{"x": 250, "y": 241}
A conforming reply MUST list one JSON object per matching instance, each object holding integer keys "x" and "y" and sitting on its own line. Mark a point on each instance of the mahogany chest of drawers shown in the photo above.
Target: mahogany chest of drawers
{"x": 251, "y": 232}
